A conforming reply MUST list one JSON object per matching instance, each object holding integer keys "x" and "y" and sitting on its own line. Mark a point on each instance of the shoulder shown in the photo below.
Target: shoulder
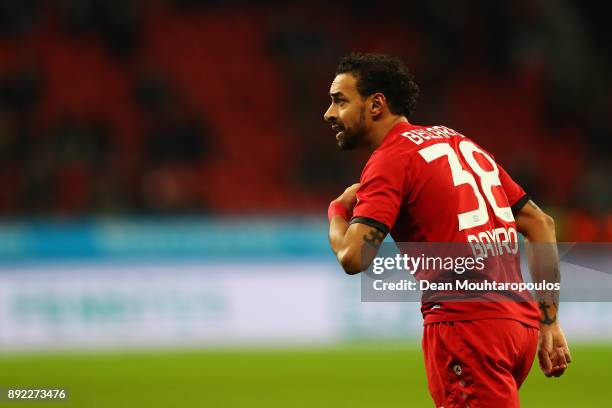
{"x": 389, "y": 162}
{"x": 389, "y": 156}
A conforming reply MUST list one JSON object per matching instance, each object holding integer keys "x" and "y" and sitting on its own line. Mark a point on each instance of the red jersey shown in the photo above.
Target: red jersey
{"x": 432, "y": 184}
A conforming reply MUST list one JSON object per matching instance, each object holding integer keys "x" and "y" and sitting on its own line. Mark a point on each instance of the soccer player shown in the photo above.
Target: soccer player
{"x": 432, "y": 184}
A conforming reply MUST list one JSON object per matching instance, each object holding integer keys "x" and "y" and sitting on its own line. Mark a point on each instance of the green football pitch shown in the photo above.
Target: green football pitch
{"x": 386, "y": 375}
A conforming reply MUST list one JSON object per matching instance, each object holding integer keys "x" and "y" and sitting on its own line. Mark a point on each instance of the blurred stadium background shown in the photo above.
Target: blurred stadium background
{"x": 165, "y": 173}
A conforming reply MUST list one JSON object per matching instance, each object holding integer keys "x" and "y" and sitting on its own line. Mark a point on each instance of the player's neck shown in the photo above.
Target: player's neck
{"x": 381, "y": 129}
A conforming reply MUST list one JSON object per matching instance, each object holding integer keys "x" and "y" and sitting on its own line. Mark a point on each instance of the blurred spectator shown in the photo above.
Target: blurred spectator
{"x": 176, "y": 144}
{"x": 17, "y": 16}
{"x": 210, "y": 106}
{"x": 115, "y": 21}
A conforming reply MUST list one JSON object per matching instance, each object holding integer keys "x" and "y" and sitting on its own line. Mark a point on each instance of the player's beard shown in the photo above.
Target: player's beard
{"x": 352, "y": 136}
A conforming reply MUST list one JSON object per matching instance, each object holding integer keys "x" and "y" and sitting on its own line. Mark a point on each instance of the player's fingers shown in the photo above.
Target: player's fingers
{"x": 352, "y": 187}
{"x": 557, "y": 372}
{"x": 568, "y": 355}
{"x": 544, "y": 354}
{"x": 545, "y": 363}
{"x": 560, "y": 360}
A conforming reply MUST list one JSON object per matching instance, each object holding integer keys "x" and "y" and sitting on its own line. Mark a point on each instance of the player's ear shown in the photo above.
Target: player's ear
{"x": 378, "y": 104}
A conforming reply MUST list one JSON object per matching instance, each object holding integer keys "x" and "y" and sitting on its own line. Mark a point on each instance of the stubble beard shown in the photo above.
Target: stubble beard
{"x": 351, "y": 137}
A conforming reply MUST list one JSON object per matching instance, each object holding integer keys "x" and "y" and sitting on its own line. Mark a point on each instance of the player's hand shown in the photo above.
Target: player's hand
{"x": 349, "y": 198}
{"x": 553, "y": 351}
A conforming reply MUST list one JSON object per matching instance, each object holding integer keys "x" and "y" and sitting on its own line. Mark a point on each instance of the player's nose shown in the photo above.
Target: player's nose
{"x": 329, "y": 115}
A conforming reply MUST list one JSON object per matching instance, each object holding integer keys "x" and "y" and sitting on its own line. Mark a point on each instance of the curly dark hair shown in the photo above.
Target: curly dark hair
{"x": 385, "y": 74}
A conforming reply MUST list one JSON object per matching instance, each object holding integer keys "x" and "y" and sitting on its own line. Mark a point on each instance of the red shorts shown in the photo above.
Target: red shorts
{"x": 478, "y": 363}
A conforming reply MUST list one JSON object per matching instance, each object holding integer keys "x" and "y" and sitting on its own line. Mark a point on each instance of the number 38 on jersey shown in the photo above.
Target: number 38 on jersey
{"x": 487, "y": 180}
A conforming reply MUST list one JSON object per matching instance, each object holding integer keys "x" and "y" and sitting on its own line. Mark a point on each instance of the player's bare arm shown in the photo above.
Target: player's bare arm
{"x": 539, "y": 229}
{"x": 355, "y": 245}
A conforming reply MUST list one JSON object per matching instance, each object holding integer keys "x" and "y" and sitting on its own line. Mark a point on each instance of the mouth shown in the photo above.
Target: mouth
{"x": 339, "y": 130}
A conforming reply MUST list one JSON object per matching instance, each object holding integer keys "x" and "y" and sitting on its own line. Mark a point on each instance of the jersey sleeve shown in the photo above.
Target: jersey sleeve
{"x": 381, "y": 193}
{"x": 517, "y": 197}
